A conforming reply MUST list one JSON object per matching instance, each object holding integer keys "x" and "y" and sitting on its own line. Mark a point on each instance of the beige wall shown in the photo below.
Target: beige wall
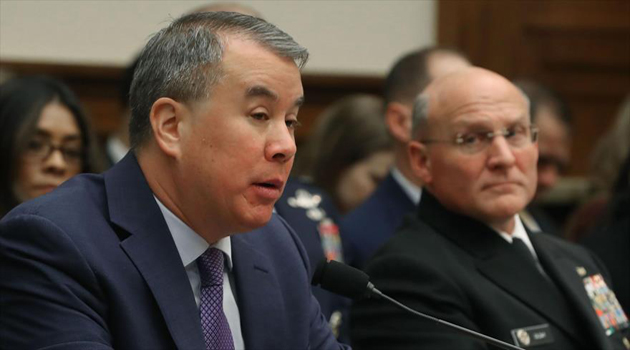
{"x": 344, "y": 37}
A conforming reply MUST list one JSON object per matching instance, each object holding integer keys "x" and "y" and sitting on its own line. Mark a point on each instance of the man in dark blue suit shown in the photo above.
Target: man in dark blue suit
{"x": 145, "y": 256}
{"x": 372, "y": 223}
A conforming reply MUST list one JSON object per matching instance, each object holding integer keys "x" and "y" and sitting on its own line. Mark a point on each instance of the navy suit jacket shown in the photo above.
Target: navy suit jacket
{"x": 374, "y": 222}
{"x": 93, "y": 265}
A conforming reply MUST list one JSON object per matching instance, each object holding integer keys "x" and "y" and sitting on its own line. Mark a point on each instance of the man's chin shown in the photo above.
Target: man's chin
{"x": 256, "y": 218}
{"x": 505, "y": 213}
{"x": 504, "y": 206}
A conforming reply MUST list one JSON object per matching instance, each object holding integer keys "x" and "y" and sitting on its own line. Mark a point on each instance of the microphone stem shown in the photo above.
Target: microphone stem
{"x": 461, "y": 330}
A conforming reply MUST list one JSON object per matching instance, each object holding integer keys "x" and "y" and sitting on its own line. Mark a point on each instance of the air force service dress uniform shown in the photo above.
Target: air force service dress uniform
{"x": 374, "y": 222}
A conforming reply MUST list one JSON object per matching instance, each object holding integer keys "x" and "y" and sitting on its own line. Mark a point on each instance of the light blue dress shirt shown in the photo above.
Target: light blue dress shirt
{"x": 190, "y": 246}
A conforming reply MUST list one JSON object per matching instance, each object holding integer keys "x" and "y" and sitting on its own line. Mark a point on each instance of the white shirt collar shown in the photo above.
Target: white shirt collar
{"x": 116, "y": 149}
{"x": 189, "y": 244}
{"x": 529, "y": 221}
{"x": 520, "y": 233}
{"x": 413, "y": 192}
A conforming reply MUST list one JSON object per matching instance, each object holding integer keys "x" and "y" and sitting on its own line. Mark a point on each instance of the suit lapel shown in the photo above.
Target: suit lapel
{"x": 259, "y": 300}
{"x": 521, "y": 279}
{"x": 151, "y": 248}
{"x": 510, "y": 272}
{"x": 563, "y": 271}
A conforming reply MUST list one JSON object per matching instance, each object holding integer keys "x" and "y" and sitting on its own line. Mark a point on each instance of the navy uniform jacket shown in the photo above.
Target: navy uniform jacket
{"x": 611, "y": 242}
{"x": 371, "y": 224}
{"x": 313, "y": 216}
{"x": 459, "y": 270}
{"x": 92, "y": 265}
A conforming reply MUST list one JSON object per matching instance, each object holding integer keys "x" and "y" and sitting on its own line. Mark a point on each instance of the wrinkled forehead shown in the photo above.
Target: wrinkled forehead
{"x": 475, "y": 94}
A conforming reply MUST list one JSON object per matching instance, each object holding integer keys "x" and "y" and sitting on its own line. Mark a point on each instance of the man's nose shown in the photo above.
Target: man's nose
{"x": 281, "y": 144}
{"x": 500, "y": 153}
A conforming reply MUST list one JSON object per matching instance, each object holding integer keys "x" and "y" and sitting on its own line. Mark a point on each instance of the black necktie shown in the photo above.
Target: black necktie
{"x": 521, "y": 248}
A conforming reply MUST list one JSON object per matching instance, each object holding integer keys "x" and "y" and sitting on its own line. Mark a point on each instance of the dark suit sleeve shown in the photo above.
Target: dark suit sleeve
{"x": 320, "y": 334}
{"x": 49, "y": 295}
{"x": 378, "y": 324}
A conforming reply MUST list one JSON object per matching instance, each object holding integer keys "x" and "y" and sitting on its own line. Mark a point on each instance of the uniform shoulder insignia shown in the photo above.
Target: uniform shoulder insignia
{"x": 309, "y": 202}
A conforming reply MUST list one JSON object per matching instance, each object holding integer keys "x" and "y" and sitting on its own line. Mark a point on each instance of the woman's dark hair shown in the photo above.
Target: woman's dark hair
{"x": 348, "y": 131}
{"x": 21, "y": 103}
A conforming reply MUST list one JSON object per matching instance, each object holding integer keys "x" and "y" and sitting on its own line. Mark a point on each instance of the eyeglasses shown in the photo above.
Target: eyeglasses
{"x": 37, "y": 150}
{"x": 517, "y": 136}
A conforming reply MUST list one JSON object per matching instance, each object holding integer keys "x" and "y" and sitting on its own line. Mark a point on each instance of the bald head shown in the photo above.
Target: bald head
{"x": 452, "y": 94}
{"x": 469, "y": 83}
{"x": 443, "y": 62}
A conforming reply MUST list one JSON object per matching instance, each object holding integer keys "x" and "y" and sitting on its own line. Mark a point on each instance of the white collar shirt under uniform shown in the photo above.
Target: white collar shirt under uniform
{"x": 413, "y": 192}
{"x": 190, "y": 247}
{"x": 520, "y": 233}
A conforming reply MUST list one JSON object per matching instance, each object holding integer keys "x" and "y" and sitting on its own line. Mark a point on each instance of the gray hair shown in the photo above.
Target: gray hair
{"x": 420, "y": 116}
{"x": 183, "y": 61}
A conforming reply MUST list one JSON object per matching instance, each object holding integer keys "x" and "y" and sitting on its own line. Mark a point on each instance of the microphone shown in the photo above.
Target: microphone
{"x": 353, "y": 283}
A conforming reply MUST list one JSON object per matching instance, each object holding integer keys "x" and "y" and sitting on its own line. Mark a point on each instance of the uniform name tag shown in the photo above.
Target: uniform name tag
{"x": 605, "y": 304}
{"x": 528, "y": 337}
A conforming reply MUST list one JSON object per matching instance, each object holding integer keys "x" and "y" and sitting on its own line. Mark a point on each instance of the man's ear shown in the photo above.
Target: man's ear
{"x": 420, "y": 162}
{"x": 166, "y": 120}
{"x": 398, "y": 120}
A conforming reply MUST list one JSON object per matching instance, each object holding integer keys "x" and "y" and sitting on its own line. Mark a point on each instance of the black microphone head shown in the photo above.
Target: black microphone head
{"x": 341, "y": 279}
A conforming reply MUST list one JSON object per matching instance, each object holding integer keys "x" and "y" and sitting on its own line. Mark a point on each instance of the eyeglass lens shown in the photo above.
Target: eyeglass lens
{"x": 39, "y": 149}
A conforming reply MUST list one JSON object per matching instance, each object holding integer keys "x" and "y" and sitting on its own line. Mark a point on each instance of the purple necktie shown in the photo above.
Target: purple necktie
{"x": 216, "y": 330}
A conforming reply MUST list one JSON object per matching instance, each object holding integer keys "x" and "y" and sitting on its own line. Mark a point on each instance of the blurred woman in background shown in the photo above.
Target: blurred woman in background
{"x": 349, "y": 152}
{"x": 45, "y": 139}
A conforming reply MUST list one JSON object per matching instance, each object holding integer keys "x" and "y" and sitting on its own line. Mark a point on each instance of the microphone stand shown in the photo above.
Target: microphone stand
{"x": 462, "y": 330}
{"x": 353, "y": 283}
